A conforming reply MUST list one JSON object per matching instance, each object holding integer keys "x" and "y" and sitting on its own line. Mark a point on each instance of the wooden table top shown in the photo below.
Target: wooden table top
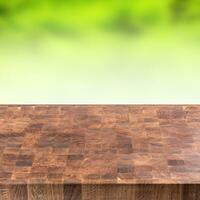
{"x": 99, "y": 144}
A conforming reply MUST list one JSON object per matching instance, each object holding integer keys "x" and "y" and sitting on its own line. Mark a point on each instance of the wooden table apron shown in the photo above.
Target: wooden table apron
{"x": 100, "y": 192}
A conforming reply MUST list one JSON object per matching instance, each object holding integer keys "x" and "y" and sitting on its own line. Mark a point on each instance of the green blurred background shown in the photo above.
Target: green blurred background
{"x": 99, "y": 51}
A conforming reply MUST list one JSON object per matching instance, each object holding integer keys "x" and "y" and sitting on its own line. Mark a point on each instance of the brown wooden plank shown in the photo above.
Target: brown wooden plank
{"x": 158, "y": 192}
{"x": 102, "y": 192}
{"x": 132, "y": 192}
{"x": 72, "y": 192}
{"x": 36, "y": 192}
{"x": 108, "y": 192}
{"x": 45, "y": 192}
{"x": 191, "y": 192}
{"x": 18, "y": 192}
{"x": 4, "y": 194}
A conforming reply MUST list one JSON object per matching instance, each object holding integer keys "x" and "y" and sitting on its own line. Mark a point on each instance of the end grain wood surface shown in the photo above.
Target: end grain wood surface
{"x": 100, "y": 152}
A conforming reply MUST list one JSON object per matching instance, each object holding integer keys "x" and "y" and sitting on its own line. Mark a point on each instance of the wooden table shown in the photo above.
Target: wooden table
{"x": 100, "y": 152}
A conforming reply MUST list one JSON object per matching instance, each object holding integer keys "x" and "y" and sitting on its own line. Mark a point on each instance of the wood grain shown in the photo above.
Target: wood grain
{"x": 73, "y": 144}
{"x": 72, "y": 192}
{"x": 132, "y": 192}
{"x": 4, "y": 194}
{"x": 164, "y": 192}
{"x": 102, "y": 192}
{"x": 45, "y": 192}
{"x": 191, "y": 192}
{"x": 108, "y": 192}
{"x": 73, "y": 152}
{"x": 18, "y": 192}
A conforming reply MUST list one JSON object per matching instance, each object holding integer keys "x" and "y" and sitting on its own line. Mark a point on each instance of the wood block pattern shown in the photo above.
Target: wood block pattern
{"x": 100, "y": 151}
